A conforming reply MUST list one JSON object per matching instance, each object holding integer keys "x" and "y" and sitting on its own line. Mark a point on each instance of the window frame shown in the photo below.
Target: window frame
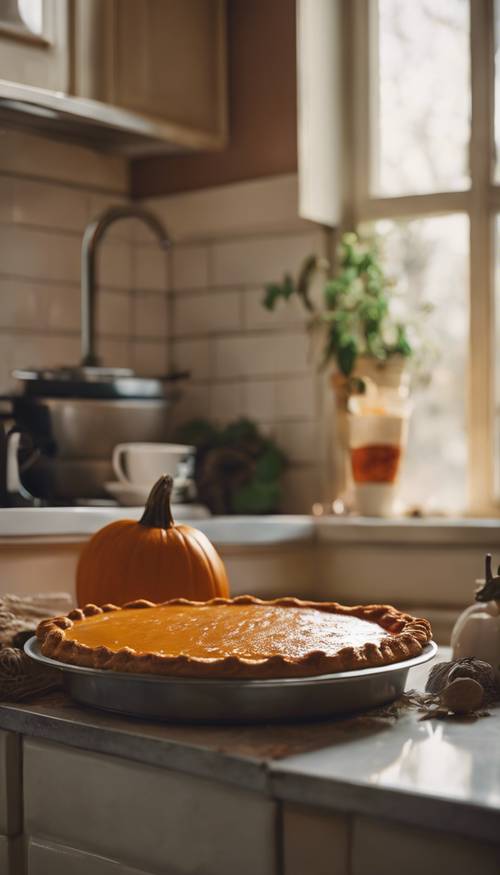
{"x": 480, "y": 202}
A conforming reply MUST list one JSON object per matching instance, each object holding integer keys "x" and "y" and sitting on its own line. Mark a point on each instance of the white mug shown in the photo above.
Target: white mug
{"x": 142, "y": 464}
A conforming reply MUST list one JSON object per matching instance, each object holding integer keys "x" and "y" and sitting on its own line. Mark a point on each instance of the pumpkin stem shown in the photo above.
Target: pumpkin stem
{"x": 157, "y": 513}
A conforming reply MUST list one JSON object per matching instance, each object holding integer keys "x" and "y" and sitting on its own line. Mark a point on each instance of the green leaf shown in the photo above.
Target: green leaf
{"x": 271, "y": 464}
{"x": 241, "y": 431}
{"x": 256, "y": 498}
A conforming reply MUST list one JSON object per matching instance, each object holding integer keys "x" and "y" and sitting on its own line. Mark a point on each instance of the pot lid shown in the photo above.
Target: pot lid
{"x": 95, "y": 382}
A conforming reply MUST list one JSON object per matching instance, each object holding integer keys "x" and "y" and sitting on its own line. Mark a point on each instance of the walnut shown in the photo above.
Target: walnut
{"x": 443, "y": 673}
{"x": 462, "y": 696}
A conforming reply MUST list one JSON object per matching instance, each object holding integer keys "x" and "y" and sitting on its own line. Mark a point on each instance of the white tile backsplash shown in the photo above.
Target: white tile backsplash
{"x": 48, "y": 192}
{"x": 150, "y": 358}
{"x": 114, "y": 265}
{"x": 251, "y": 207}
{"x": 256, "y": 316}
{"x": 49, "y": 205}
{"x": 150, "y": 268}
{"x": 47, "y": 255}
{"x": 260, "y": 399}
{"x": 255, "y": 355}
{"x": 299, "y": 440}
{"x": 193, "y": 356}
{"x": 261, "y": 259}
{"x": 114, "y": 311}
{"x": 190, "y": 267}
{"x": 150, "y": 315}
{"x": 197, "y": 308}
{"x": 207, "y": 313}
{"x": 226, "y": 401}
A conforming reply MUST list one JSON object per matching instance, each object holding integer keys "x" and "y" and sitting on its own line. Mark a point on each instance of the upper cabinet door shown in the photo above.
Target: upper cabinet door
{"x": 162, "y": 59}
{"x": 34, "y": 43}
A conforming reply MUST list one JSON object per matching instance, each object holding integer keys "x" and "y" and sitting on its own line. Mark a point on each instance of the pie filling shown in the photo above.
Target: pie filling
{"x": 214, "y": 631}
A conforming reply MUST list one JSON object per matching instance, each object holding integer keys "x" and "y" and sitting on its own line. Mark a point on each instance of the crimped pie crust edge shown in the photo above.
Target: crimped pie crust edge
{"x": 408, "y": 637}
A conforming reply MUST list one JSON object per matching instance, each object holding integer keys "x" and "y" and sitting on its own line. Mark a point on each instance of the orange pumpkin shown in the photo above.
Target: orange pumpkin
{"x": 151, "y": 559}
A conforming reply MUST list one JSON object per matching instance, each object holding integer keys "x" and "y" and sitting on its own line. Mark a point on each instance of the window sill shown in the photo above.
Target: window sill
{"x": 429, "y": 531}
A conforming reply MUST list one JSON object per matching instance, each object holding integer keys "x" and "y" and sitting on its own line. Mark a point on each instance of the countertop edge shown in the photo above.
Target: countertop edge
{"x": 417, "y": 809}
{"x": 265, "y": 775}
{"x": 241, "y": 771}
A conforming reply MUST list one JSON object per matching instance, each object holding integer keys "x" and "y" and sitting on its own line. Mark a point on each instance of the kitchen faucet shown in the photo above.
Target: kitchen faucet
{"x": 94, "y": 232}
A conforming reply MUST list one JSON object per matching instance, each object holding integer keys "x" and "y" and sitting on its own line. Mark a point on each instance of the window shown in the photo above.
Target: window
{"x": 423, "y": 129}
{"x": 22, "y": 19}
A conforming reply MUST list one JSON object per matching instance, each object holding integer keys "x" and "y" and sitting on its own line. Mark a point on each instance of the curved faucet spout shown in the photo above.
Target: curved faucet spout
{"x": 94, "y": 232}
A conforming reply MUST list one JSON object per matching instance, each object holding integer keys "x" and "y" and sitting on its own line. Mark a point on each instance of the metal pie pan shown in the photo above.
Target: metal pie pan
{"x": 193, "y": 700}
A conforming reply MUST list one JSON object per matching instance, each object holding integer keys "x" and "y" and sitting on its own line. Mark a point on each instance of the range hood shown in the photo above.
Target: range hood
{"x": 91, "y": 122}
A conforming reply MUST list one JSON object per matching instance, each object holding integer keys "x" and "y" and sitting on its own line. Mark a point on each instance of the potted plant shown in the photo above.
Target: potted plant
{"x": 361, "y": 336}
{"x": 356, "y": 325}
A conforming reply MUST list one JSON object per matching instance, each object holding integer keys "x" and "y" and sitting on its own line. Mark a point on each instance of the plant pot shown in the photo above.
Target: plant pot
{"x": 392, "y": 374}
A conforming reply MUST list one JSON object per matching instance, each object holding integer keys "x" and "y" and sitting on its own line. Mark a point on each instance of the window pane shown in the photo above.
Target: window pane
{"x": 428, "y": 259}
{"x": 497, "y": 88}
{"x": 422, "y": 132}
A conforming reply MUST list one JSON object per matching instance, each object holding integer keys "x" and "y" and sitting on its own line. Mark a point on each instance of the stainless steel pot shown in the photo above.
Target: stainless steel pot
{"x": 74, "y": 439}
{"x": 87, "y": 428}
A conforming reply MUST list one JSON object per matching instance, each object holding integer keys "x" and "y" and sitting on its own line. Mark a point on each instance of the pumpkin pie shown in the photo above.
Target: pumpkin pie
{"x": 244, "y": 637}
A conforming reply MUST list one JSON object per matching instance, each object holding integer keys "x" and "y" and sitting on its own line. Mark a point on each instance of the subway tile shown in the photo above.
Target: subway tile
{"x": 301, "y": 489}
{"x": 259, "y": 399}
{"x": 226, "y": 401}
{"x": 299, "y": 440}
{"x": 49, "y": 205}
{"x": 193, "y": 356}
{"x": 44, "y": 351}
{"x": 28, "y": 252}
{"x": 31, "y": 154}
{"x": 243, "y": 207}
{"x": 190, "y": 267}
{"x": 114, "y": 265}
{"x": 113, "y": 313}
{"x": 261, "y": 259}
{"x": 20, "y": 304}
{"x": 194, "y": 403}
{"x": 296, "y": 398}
{"x": 207, "y": 313}
{"x": 150, "y": 357}
{"x": 61, "y": 306}
{"x": 150, "y": 265}
{"x": 430, "y": 851}
{"x": 256, "y": 316}
{"x": 315, "y": 842}
{"x": 261, "y": 355}
{"x": 150, "y": 314}
{"x": 114, "y": 352}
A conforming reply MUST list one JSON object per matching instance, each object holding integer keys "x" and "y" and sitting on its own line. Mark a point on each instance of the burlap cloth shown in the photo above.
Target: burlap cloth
{"x": 20, "y": 676}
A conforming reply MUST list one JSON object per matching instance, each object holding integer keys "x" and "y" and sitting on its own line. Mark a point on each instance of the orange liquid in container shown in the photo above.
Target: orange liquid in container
{"x": 375, "y": 463}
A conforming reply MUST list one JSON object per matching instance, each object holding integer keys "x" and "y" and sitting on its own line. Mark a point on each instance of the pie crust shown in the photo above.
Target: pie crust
{"x": 267, "y": 639}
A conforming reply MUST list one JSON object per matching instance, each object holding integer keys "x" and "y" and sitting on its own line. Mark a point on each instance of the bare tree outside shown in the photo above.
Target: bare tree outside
{"x": 422, "y": 134}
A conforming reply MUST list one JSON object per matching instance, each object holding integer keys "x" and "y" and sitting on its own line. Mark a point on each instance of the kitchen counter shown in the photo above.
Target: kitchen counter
{"x": 57, "y": 522}
{"x": 80, "y": 522}
{"x": 419, "y": 772}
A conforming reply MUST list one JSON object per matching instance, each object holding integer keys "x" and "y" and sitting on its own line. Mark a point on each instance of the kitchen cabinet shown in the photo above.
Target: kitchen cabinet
{"x": 132, "y": 76}
{"x": 34, "y": 43}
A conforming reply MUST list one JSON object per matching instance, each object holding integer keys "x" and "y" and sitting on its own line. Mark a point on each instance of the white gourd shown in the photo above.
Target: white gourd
{"x": 477, "y": 630}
